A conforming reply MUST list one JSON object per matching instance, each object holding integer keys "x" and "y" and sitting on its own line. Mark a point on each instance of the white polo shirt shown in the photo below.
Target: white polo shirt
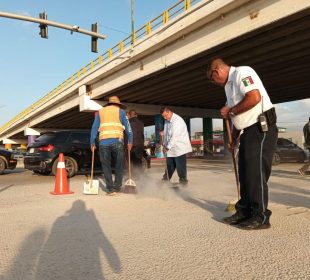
{"x": 240, "y": 81}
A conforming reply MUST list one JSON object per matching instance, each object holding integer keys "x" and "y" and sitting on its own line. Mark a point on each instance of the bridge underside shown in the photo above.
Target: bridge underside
{"x": 279, "y": 52}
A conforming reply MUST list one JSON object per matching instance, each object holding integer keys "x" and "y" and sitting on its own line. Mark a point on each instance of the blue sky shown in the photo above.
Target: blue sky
{"x": 32, "y": 66}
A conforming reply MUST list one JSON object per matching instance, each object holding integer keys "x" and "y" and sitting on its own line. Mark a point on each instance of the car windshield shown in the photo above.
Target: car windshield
{"x": 52, "y": 137}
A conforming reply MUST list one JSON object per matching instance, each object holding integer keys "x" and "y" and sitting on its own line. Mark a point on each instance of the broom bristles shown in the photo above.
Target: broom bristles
{"x": 130, "y": 189}
{"x": 231, "y": 206}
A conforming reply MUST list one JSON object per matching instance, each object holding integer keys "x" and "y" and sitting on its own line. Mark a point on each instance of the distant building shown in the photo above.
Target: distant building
{"x": 213, "y": 146}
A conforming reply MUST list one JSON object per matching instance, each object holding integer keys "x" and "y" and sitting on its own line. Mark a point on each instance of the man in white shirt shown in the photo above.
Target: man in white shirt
{"x": 176, "y": 145}
{"x": 251, "y": 111}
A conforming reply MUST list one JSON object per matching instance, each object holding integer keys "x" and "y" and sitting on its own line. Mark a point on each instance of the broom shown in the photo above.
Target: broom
{"x": 92, "y": 186}
{"x": 130, "y": 185}
{"x": 232, "y": 204}
{"x": 166, "y": 166}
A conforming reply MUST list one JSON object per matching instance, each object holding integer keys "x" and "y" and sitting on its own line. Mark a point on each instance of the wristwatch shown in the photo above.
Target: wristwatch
{"x": 231, "y": 113}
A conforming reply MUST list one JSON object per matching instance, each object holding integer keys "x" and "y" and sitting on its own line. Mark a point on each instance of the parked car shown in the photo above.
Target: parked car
{"x": 18, "y": 154}
{"x": 287, "y": 151}
{"x": 42, "y": 155}
{"x": 6, "y": 160}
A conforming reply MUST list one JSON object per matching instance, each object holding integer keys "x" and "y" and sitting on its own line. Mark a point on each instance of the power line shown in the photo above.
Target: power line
{"x": 114, "y": 29}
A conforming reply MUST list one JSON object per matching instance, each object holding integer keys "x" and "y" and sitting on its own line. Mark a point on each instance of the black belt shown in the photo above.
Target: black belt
{"x": 271, "y": 118}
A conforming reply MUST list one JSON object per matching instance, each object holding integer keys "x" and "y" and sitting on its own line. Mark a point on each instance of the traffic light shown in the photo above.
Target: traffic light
{"x": 94, "y": 40}
{"x": 43, "y": 27}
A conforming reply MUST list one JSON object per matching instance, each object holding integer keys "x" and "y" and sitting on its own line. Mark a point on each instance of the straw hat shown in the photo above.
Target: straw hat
{"x": 115, "y": 100}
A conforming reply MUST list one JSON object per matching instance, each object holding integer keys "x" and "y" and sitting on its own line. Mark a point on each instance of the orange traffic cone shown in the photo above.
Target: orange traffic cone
{"x": 61, "y": 182}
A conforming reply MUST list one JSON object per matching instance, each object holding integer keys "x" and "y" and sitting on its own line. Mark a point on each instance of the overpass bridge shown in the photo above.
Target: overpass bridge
{"x": 166, "y": 64}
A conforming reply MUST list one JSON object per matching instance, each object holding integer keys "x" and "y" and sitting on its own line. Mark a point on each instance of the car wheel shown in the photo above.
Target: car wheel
{"x": 71, "y": 166}
{"x": 2, "y": 165}
{"x": 276, "y": 159}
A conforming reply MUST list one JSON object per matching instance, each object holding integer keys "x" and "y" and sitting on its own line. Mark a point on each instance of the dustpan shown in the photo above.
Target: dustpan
{"x": 130, "y": 185}
{"x": 91, "y": 186}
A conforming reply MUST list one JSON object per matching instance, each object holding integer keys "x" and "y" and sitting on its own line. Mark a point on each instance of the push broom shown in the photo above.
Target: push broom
{"x": 130, "y": 185}
{"x": 231, "y": 205}
{"x": 92, "y": 186}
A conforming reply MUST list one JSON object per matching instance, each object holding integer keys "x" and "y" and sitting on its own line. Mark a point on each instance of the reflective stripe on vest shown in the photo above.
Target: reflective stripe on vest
{"x": 110, "y": 124}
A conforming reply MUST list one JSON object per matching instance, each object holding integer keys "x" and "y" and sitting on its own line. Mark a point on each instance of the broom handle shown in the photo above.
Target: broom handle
{"x": 129, "y": 167}
{"x": 165, "y": 155}
{"x": 92, "y": 166}
{"x": 233, "y": 155}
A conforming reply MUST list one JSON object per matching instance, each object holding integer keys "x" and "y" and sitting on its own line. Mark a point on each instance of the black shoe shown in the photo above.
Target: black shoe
{"x": 235, "y": 219}
{"x": 253, "y": 224}
{"x": 183, "y": 182}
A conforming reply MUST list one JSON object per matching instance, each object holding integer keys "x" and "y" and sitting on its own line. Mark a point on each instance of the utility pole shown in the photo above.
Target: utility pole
{"x": 44, "y": 23}
{"x": 133, "y": 37}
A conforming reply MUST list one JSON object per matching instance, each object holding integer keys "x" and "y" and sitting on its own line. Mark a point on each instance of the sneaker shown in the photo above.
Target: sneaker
{"x": 301, "y": 172}
{"x": 235, "y": 219}
{"x": 253, "y": 224}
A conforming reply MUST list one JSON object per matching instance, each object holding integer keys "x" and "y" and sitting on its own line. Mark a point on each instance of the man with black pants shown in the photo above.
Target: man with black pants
{"x": 176, "y": 145}
{"x": 136, "y": 153}
{"x": 251, "y": 111}
{"x": 306, "y": 130}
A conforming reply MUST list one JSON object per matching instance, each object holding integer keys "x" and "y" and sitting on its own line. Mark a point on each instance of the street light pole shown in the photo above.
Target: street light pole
{"x": 132, "y": 23}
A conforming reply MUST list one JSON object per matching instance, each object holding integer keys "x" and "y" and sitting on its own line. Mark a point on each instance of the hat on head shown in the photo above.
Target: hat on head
{"x": 115, "y": 100}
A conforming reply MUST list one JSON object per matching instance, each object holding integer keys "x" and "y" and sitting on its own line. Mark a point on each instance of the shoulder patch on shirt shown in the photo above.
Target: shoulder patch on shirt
{"x": 247, "y": 81}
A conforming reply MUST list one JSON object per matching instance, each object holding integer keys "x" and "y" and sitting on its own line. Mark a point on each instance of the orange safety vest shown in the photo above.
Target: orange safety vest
{"x": 110, "y": 124}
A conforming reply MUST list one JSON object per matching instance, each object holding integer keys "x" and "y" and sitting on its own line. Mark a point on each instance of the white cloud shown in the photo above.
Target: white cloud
{"x": 293, "y": 115}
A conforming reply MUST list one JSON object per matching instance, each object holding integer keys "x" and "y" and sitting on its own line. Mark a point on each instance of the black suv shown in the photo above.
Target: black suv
{"x": 7, "y": 160}
{"x": 42, "y": 155}
{"x": 287, "y": 151}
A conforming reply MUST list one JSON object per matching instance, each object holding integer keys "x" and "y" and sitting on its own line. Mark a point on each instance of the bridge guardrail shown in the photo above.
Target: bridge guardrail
{"x": 180, "y": 7}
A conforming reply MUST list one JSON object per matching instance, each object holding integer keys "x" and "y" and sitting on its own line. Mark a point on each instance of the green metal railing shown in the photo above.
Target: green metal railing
{"x": 143, "y": 32}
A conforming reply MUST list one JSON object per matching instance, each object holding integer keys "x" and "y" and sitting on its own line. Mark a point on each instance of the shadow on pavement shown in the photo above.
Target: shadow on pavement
{"x": 72, "y": 250}
{"x": 289, "y": 174}
{"x": 6, "y": 187}
{"x": 12, "y": 171}
{"x": 291, "y": 196}
{"x": 214, "y": 207}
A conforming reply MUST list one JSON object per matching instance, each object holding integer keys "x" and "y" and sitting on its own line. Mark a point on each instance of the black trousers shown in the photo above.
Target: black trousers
{"x": 255, "y": 160}
{"x": 136, "y": 155}
{"x": 178, "y": 163}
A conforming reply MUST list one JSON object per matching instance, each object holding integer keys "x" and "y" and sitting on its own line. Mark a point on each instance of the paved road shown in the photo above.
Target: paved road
{"x": 158, "y": 234}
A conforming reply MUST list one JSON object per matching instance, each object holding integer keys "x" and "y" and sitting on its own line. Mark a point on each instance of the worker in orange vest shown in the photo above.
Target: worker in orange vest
{"x": 111, "y": 123}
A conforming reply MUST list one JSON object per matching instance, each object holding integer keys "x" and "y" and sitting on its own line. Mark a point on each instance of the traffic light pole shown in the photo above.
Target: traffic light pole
{"x": 73, "y": 28}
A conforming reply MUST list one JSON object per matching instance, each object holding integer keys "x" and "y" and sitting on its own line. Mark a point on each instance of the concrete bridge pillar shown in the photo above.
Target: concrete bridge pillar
{"x": 159, "y": 126}
{"x": 32, "y": 134}
{"x": 31, "y": 138}
{"x": 225, "y": 138}
{"x": 207, "y": 136}
{"x": 188, "y": 125}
